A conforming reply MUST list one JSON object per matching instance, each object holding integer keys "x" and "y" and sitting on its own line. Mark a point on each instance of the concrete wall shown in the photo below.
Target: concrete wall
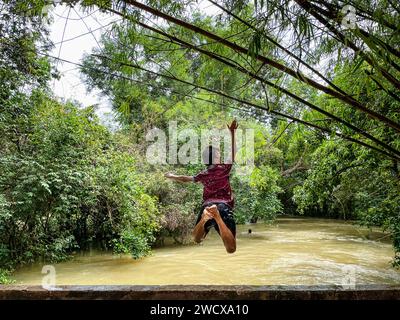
{"x": 201, "y": 292}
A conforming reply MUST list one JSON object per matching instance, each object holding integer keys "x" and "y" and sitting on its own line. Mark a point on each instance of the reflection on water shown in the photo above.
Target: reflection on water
{"x": 289, "y": 252}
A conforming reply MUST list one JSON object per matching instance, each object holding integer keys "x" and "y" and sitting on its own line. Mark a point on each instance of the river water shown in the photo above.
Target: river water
{"x": 292, "y": 251}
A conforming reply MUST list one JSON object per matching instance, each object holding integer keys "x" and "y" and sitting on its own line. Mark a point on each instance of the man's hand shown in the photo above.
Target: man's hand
{"x": 206, "y": 215}
{"x": 233, "y": 126}
{"x": 169, "y": 175}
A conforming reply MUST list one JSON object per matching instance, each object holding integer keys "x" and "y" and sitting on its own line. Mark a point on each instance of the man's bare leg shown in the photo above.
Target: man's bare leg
{"x": 226, "y": 234}
{"x": 198, "y": 232}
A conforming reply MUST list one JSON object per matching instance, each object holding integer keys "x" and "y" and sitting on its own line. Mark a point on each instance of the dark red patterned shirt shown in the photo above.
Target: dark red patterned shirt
{"x": 216, "y": 184}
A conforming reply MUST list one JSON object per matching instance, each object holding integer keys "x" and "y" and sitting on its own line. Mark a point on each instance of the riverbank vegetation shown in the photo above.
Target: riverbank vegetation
{"x": 326, "y": 147}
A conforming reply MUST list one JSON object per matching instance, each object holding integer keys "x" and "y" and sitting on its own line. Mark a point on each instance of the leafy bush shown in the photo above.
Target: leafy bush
{"x": 176, "y": 202}
{"x": 5, "y": 276}
{"x": 70, "y": 184}
{"x": 178, "y": 222}
{"x": 257, "y": 196}
{"x": 132, "y": 242}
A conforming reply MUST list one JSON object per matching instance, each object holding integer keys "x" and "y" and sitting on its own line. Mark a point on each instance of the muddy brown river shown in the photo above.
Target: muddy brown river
{"x": 291, "y": 251}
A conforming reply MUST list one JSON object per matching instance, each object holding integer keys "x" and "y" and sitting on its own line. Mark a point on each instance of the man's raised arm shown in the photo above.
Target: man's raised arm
{"x": 232, "y": 127}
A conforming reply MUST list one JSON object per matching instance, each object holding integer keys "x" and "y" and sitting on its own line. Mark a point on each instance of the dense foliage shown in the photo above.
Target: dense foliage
{"x": 70, "y": 184}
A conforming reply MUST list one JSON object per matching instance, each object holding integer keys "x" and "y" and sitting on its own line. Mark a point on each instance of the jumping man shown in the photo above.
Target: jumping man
{"x": 218, "y": 201}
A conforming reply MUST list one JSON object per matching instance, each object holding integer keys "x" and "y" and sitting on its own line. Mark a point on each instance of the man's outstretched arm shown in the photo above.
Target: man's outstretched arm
{"x": 179, "y": 178}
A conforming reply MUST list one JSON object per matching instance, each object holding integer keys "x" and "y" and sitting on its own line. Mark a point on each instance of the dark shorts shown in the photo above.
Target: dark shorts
{"x": 226, "y": 214}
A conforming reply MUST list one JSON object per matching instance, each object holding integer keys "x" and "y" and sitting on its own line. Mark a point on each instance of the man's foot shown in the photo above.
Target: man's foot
{"x": 206, "y": 215}
{"x": 199, "y": 232}
{"x": 212, "y": 211}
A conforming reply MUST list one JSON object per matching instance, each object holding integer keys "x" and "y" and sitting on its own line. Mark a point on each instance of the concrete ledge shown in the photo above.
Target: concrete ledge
{"x": 196, "y": 292}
